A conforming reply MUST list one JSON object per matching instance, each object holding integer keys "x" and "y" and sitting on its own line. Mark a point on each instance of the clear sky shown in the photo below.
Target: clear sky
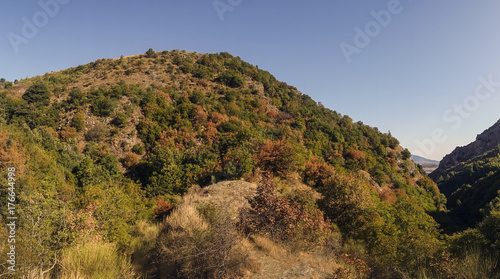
{"x": 425, "y": 70}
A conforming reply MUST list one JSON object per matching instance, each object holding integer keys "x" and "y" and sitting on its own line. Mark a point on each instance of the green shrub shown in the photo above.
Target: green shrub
{"x": 78, "y": 121}
{"x": 120, "y": 120}
{"x": 138, "y": 149}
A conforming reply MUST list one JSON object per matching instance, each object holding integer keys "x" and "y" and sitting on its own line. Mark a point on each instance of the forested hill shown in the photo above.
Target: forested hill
{"x": 101, "y": 146}
{"x": 222, "y": 116}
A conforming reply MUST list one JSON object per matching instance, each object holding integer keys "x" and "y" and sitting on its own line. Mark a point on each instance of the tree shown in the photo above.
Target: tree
{"x": 103, "y": 106}
{"x": 406, "y": 154}
{"x": 78, "y": 121}
{"x": 231, "y": 79}
{"x": 346, "y": 198}
{"x": 150, "y": 53}
{"x": 38, "y": 93}
{"x": 278, "y": 157}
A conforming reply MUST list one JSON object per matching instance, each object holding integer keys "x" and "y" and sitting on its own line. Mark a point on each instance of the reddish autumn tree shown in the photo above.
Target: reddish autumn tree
{"x": 162, "y": 208}
{"x": 281, "y": 218}
{"x": 317, "y": 172}
{"x": 277, "y": 157}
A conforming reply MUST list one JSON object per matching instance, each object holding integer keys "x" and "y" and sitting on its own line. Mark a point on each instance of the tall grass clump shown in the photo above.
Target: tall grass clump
{"x": 96, "y": 260}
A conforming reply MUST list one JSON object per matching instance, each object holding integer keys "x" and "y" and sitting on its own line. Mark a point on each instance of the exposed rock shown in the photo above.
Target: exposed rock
{"x": 484, "y": 142}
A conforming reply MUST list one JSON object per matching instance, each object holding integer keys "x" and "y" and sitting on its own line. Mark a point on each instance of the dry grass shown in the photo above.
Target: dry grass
{"x": 200, "y": 240}
{"x": 278, "y": 261}
{"x": 95, "y": 260}
{"x": 191, "y": 247}
{"x": 185, "y": 218}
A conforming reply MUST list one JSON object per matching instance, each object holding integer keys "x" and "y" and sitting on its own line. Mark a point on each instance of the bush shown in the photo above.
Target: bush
{"x": 97, "y": 133}
{"x": 345, "y": 199}
{"x": 120, "y": 120}
{"x": 138, "y": 149}
{"x": 163, "y": 209}
{"x": 278, "y": 157}
{"x": 317, "y": 172}
{"x": 68, "y": 133}
{"x": 143, "y": 247}
{"x": 130, "y": 159}
{"x": 236, "y": 163}
{"x": 282, "y": 218}
{"x": 190, "y": 247}
{"x": 406, "y": 154}
{"x": 76, "y": 97}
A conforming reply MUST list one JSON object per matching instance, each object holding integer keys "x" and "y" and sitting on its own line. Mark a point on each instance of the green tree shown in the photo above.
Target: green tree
{"x": 103, "y": 106}
{"x": 346, "y": 198}
{"x": 78, "y": 121}
{"x": 151, "y": 53}
{"x": 37, "y": 93}
{"x": 231, "y": 79}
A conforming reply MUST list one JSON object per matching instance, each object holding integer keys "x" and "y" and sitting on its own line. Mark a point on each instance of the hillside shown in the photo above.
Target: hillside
{"x": 469, "y": 177}
{"x": 486, "y": 141}
{"x": 106, "y": 154}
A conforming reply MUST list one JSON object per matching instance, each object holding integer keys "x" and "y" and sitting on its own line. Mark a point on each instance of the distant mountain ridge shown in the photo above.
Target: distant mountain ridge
{"x": 484, "y": 142}
{"x": 428, "y": 164}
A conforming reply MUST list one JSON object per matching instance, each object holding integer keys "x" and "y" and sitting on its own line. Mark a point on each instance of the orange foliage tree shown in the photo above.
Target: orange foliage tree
{"x": 281, "y": 218}
{"x": 277, "y": 157}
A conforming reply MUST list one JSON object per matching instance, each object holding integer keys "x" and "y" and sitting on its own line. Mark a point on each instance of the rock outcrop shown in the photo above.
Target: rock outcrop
{"x": 484, "y": 142}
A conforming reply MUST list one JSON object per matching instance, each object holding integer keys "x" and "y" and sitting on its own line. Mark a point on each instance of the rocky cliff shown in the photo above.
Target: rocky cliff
{"x": 484, "y": 142}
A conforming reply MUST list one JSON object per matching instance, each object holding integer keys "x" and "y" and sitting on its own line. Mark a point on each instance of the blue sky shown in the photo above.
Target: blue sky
{"x": 428, "y": 74}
